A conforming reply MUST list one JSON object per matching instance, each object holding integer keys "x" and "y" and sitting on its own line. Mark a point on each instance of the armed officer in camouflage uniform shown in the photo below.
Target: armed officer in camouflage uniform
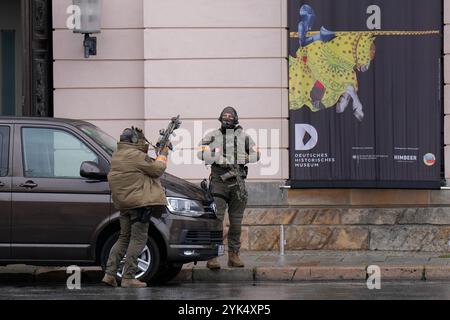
{"x": 228, "y": 150}
{"x": 135, "y": 187}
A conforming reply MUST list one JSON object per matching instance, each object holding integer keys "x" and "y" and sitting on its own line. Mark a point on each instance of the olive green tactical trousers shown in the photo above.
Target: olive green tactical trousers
{"x": 226, "y": 196}
{"x": 132, "y": 240}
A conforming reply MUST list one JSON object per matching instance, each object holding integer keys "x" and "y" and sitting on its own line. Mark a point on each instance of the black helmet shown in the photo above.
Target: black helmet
{"x": 129, "y": 135}
{"x": 132, "y": 135}
{"x": 235, "y": 115}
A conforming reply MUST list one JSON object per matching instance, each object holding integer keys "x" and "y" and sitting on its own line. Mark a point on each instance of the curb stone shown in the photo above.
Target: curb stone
{"x": 437, "y": 273}
{"x": 30, "y": 274}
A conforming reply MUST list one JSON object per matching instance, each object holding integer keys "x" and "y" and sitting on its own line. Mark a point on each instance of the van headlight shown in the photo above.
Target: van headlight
{"x": 185, "y": 207}
{"x": 213, "y": 207}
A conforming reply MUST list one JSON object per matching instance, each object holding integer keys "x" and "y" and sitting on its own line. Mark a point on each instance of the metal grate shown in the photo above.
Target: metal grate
{"x": 203, "y": 237}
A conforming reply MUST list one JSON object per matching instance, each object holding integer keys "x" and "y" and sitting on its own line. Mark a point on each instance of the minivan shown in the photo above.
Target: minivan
{"x": 56, "y": 208}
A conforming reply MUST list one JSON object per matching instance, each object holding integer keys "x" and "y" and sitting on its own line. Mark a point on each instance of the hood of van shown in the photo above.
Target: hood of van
{"x": 177, "y": 187}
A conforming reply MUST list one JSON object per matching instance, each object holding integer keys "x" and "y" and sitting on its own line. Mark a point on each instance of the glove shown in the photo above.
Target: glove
{"x": 164, "y": 151}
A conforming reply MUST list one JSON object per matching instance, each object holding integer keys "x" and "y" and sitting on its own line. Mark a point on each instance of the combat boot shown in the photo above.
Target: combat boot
{"x": 233, "y": 260}
{"x": 133, "y": 283}
{"x": 109, "y": 280}
{"x": 213, "y": 264}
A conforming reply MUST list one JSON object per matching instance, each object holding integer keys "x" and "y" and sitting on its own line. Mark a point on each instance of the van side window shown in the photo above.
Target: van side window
{"x": 53, "y": 153}
{"x": 4, "y": 151}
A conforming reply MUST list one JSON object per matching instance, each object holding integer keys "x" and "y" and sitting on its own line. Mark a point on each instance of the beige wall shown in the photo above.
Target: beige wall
{"x": 107, "y": 89}
{"x": 160, "y": 58}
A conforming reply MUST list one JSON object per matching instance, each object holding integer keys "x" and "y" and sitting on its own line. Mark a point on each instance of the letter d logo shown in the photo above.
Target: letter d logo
{"x": 306, "y": 137}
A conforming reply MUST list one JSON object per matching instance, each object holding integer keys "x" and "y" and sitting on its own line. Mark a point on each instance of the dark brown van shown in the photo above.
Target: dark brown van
{"x": 56, "y": 209}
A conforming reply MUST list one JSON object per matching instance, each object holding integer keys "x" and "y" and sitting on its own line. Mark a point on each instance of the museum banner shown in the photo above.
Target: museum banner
{"x": 365, "y": 93}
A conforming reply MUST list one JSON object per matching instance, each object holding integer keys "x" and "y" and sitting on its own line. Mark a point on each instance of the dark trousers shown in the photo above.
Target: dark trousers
{"x": 131, "y": 242}
{"x": 226, "y": 196}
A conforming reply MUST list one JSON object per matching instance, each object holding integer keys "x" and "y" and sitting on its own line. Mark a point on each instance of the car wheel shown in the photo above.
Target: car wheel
{"x": 149, "y": 261}
{"x": 166, "y": 273}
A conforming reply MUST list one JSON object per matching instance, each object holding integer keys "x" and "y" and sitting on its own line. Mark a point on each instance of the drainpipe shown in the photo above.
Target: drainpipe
{"x": 282, "y": 240}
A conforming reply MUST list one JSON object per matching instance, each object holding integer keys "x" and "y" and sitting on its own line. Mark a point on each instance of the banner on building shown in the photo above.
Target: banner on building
{"x": 365, "y": 87}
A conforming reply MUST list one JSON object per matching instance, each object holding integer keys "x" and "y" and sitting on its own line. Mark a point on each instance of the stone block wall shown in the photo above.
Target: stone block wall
{"x": 347, "y": 219}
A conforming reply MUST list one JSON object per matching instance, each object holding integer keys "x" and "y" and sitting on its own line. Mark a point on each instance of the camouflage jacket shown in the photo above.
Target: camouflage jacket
{"x": 223, "y": 150}
{"x": 134, "y": 178}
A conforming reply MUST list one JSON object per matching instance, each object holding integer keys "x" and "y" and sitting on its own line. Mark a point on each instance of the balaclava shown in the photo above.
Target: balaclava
{"x": 227, "y": 123}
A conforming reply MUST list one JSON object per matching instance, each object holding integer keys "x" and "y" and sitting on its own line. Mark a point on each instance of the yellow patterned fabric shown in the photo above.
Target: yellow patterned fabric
{"x": 332, "y": 64}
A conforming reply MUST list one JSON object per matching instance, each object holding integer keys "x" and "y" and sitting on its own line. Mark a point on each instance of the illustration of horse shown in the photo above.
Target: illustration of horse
{"x": 323, "y": 73}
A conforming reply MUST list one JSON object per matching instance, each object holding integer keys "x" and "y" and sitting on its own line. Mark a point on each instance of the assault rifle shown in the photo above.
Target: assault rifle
{"x": 235, "y": 172}
{"x": 164, "y": 139}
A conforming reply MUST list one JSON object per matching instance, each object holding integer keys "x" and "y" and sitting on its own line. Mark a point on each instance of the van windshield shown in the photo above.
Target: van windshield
{"x": 108, "y": 143}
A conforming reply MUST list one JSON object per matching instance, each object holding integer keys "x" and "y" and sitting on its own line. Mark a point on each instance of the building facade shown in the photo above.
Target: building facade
{"x": 159, "y": 58}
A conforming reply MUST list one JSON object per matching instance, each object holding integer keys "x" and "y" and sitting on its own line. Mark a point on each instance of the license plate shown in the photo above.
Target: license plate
{"x": 220, "y": 250}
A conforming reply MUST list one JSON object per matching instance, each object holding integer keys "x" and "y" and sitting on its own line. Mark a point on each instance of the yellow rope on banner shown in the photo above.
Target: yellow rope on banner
{"x": 376, "y": 33}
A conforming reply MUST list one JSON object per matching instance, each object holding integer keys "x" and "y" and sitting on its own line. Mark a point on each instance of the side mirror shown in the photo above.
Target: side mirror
{"x": 91, "y": 170}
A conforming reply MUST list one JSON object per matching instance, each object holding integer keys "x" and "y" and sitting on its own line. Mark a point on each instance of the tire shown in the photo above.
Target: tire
{"x": 166, "y": 273}
{"x": 150, "y": 254}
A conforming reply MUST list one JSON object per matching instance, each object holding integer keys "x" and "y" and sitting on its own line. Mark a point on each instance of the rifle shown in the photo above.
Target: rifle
{"x": 235, "y": 172}
{"x": 164, "y": 139}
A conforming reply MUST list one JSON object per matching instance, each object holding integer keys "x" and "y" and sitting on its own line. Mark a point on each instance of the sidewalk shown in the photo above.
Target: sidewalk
{"x": 324, "y": 265}
{"x": 270, "y": 266}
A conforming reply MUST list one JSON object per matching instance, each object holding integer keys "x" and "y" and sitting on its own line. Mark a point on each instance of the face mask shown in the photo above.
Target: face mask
{"x": 227, "y": 124}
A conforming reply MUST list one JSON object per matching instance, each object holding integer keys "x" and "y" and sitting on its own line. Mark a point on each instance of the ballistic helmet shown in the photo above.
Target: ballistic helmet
{"x": 227, "y": 123}
{"x": 133, "y": 135}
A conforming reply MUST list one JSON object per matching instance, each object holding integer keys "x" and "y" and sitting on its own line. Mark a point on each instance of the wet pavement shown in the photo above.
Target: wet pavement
{"x": 271, "y": 266}
{"x": 390, "y": 290}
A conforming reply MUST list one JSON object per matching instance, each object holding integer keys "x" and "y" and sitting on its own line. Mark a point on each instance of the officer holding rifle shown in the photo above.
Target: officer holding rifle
{"x": 228, "y": 150}
{"x": 134, "y": 180}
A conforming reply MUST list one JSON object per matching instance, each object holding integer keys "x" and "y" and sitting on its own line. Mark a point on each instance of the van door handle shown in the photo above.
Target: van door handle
{"x": 2, "y": 184}
{"x": 29, "y": 184}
